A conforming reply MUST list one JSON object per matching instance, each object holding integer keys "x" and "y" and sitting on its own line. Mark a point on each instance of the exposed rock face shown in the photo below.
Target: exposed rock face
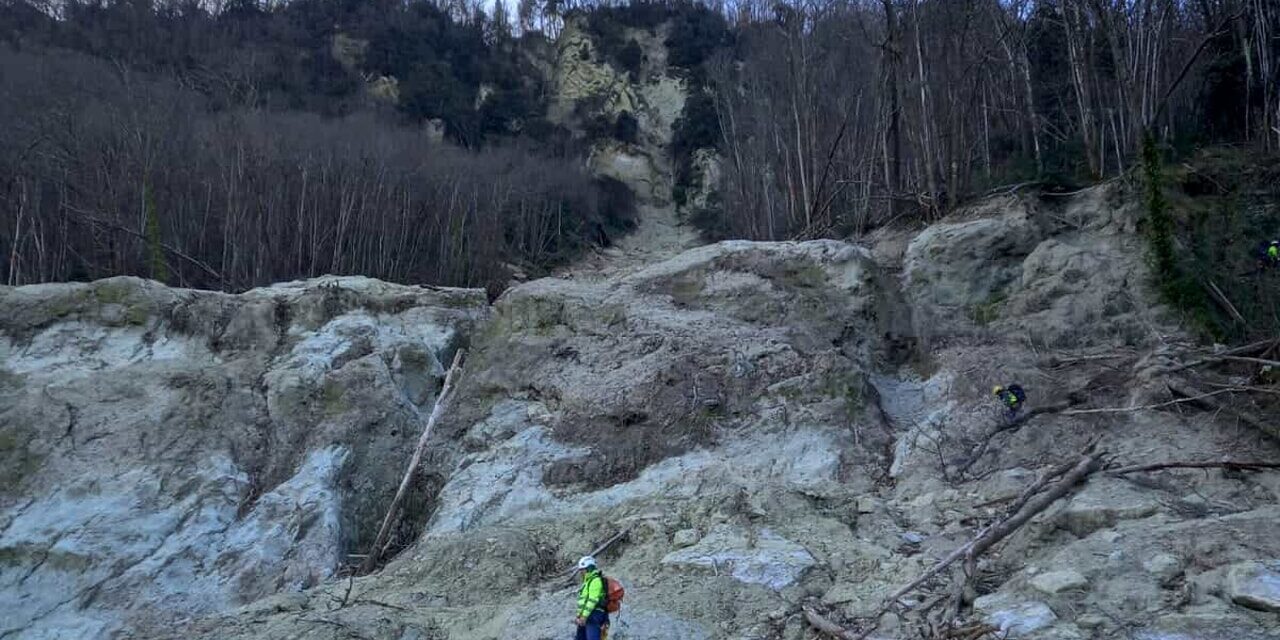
{"x": 585, "y": 83}
{"x": 1014, "y": 619}
{"x": 771, "y": 424}
{"x": 1255, "y": 585}
{"x": 172, "y": 453}
{"x": 1064, "y": 275}
{"x": 752, "y": 557}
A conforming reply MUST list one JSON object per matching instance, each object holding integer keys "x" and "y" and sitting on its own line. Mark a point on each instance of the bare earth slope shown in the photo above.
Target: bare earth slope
{"x": 772, "y": 424}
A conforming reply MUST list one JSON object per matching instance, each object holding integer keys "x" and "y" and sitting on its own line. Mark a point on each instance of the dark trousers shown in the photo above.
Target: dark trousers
{"x": 591, "y": 630}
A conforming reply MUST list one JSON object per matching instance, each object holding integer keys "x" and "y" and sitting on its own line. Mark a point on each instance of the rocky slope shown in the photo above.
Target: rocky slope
{"x": 585, "y": 85}
{"x": 771, "y": 424}
{"x": 170, "y": 453}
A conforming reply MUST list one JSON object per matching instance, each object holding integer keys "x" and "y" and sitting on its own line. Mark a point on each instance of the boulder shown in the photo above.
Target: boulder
{"x": 959, "y": 268}
{"x": 1104, "y": 502}
{"x": 1055, "y": 582}
{"x": 1015, "y": 618}
{"x": 1255, "y": 585}
{"x": 1163, "y": 566}
{"x": 751, "y": 556}
{"x": 684, "y": 538}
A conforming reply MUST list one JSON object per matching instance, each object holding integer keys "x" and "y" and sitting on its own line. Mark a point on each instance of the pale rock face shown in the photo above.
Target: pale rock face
{"x": 1255, "y": 585}
{"x": 1016, "y": 619}
{"x": 752, "y": 557}
{"x": 183, "y": 453}
{"x": 1102, "y": 503}
{"x": 743, "y": 411}
{"x": 1055, "y": 582}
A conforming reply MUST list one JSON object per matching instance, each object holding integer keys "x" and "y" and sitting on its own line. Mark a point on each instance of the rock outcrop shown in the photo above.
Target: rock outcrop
{"x": 173, "y": 453}
{"x": 587, "y": 86}
{"x": 768, "y": 425}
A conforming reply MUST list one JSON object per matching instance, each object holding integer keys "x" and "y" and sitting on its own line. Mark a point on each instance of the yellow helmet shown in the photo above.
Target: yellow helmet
{"x": 997, "y": 389}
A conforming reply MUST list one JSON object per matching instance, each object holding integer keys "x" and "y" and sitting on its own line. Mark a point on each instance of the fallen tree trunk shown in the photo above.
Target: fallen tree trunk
{"x": 1087, "y": 464}
{"x": 1196, "y": 397}
{"x": 1031, "y": 503}
{"x": 1262, "y": 346}
{"x": 385, "y": 530}
{"x": 1233, "y": 465}
{"x": 1149, "y": 407}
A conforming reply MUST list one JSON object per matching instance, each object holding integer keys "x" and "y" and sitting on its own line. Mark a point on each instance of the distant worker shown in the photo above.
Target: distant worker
{"x": 1012, "y": 397}
{"x": 593, "y": 601}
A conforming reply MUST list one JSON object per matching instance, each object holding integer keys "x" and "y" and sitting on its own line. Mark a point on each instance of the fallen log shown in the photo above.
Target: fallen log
{"x": 1262, "y": 346}
{"x": 1031, "y": 503}
{"x": 1194, "y": 395}
{"x": 1030, "y": 507}
{"x": 379, "y": 544}
{"x": 601, "y": 549}
{"x": 1149, "y": 407}
{"x": 1233, "y": 465}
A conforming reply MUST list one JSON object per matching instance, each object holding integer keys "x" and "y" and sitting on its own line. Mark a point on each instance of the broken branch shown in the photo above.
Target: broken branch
{"x": 1011, "y": 425}
{"x": 1148, "y": 407}
{"x": 1029, "y": 504}
{"x": 828, "y": 627}
{"x": 1203, "y": 399}
{"x": 1234, "y": 465}
{"x": 1225, "y": 303}
{"x": 378, "y": 544}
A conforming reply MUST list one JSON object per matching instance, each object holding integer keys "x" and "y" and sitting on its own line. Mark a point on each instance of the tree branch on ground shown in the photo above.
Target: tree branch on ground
{"x": 375, "y": 552}
{"x": 980, "y": 449}
{"x": 1039, "y": 496}
{"x": 826, "y": 626}
{"x": 1203, "y": 399}
{"x": 1232, "y": 465}
{"x": 1150, "y": 407}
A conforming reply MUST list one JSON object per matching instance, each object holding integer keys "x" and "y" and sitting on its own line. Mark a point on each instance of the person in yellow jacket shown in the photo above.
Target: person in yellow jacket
{"x": 592, "y": 616}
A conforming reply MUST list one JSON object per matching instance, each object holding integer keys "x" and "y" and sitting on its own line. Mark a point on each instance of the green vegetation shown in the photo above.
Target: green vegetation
{"x": 989, "y": 311}
{"x": 332, "y": 398}
{"x": 17, "y": 460}
{"x": 1205, "y": 222}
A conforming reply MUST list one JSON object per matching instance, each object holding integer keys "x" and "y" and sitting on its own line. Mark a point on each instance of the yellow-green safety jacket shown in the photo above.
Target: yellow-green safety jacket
{"x": 591, "y": 596}
{"x": 1273, "y": 252}
{"x": 1009, "y": 399}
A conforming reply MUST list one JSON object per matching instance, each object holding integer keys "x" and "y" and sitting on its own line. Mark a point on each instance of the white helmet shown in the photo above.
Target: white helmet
{"x": 586, "y": 562}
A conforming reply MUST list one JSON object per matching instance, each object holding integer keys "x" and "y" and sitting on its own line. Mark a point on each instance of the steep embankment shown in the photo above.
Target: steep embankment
{"x": 170, "y": 453}
{"x": 772, "y": 424}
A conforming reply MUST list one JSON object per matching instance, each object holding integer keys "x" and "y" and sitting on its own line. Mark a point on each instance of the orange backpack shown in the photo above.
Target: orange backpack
{"x": 613, "y": 594}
